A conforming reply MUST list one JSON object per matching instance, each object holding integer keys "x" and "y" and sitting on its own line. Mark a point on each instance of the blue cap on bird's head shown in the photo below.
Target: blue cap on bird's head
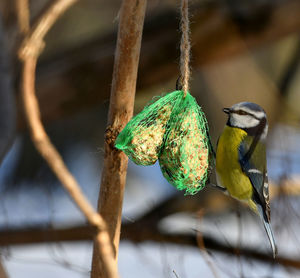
{"x": 246, "y": 107}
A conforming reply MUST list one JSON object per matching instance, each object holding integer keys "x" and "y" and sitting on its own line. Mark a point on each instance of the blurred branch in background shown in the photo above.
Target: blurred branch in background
{"x": 290, "y": 73}
{"x": 23, "y": 16}
{"x": 3, "y": 273}
{"x": 146, "y": 228}
{"x": 7, "y": 98}
{"x": 142, "y": 230}
{"x": 29, "y": 52}
{"x": 287, "y": 187}
{"x": 134, "y": 233}
{"x": 215, "y": 37}
{"x": 203, "y": 249}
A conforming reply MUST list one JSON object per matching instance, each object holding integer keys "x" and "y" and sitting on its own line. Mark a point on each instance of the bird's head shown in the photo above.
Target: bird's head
{"x": 249, "y": 117}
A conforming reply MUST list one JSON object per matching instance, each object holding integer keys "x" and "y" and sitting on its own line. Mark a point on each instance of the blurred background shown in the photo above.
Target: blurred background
{"x": 242, "y": 50}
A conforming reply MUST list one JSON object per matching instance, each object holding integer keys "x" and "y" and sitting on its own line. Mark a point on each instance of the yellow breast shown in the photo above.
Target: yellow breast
{"x": 228, "y": 169}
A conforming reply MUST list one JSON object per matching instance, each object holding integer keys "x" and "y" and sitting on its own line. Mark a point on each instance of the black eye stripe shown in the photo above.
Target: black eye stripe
{"x": 242, "y": 112}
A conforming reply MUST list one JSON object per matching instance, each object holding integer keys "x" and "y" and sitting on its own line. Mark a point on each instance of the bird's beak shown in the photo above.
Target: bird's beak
{"x": 226, "y": 110}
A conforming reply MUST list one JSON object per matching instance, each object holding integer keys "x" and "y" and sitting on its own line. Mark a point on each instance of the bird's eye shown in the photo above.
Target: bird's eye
{"x": 241, "y": 112}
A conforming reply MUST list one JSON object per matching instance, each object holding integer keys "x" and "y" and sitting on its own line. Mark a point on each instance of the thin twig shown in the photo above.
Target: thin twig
{"x": 175, "y": 274}
{"x": 23, "y": 16}
{"x": 202, "y": 247}
{"x": 55, "y": 162}
{"x": 33, "y": 43}
{"x": 29, "y": 52}
{"x": 185, "y": 46}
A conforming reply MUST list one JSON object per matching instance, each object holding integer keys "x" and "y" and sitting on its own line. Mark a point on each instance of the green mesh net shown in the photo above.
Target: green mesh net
{"x": 186, "y": 154}
{"x": 174, "y": 130}
{"x": 141, "y": 139}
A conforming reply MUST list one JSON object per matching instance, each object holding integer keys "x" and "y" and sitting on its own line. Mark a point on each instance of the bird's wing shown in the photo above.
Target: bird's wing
{"x": 252, "y": 159}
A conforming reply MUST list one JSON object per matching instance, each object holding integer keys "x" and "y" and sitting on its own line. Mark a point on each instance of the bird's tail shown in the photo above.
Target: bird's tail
{"x": 268, "y": 229}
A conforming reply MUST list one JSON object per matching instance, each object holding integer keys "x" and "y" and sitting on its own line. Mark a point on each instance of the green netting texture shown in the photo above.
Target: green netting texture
{"x": 185, "y": 156}
{"x": 141, "y": 139}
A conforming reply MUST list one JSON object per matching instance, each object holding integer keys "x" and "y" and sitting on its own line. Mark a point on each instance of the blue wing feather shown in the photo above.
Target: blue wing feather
{"x": 254, "y": 166}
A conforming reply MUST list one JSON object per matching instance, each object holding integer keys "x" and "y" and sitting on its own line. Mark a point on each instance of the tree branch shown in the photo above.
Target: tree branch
{"x": 123, "y": 88}
{"x": 23, "y": 16}
{"x": 29, "y": 52}
{"x": 145, "y": 228}
{"x": 136, "y": 233}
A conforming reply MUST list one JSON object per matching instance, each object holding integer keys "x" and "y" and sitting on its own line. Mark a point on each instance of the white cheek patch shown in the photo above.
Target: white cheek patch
{"x": 243, "y": 121}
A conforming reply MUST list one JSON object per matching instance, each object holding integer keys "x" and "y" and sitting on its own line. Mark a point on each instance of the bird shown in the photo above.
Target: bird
{"x": 241, "y": 166}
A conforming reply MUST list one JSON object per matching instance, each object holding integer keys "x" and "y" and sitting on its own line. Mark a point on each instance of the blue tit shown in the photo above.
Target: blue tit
{"x": 241, "y": 165}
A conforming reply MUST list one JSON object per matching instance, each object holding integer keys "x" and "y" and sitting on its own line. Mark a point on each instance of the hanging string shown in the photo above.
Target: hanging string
{"x": 185, "y": 47}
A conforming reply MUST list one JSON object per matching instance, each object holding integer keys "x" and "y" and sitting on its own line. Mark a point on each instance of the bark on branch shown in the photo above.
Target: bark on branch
{"x": 113, "y": 180}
